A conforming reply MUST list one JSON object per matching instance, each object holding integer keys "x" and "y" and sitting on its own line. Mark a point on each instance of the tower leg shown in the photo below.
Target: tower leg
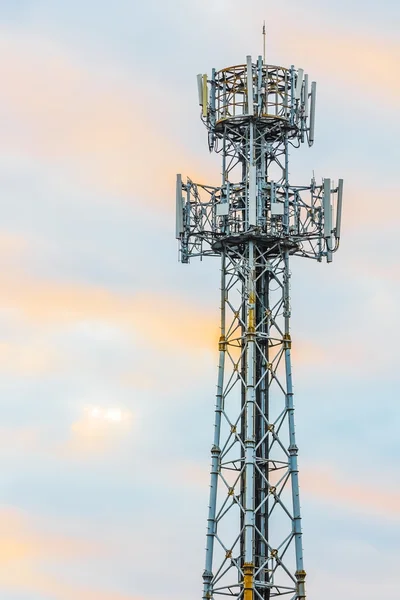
{"x": 215, "y": 451}
{"x": 293, "y": 450}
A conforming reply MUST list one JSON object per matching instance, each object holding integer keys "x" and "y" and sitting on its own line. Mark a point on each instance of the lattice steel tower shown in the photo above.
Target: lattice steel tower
{"x": 255, "y": 220}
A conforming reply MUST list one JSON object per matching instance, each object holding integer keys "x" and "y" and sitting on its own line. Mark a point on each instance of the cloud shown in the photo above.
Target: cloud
{"x": 356, "y": 61}
{"x": 20, "y": 540}
{"x": 366, "y": 208}
{"x": 372, "y": 59}
{"x": 20, "y": 439}
{"x": 326, "y": 484}
{"x": 28, "y": 359}
{"x": 167, "y": 318}
{"x": 107, "y": 132}
{"x": 26, "y": 551}
{"x": 12, "y": 245}
{"x": 97, "y": 430}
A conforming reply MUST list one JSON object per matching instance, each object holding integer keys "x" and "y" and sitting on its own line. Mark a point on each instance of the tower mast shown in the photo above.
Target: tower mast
{"x": 255, "y": 221}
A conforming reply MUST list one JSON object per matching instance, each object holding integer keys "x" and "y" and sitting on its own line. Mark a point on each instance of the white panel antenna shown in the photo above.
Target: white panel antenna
{"x": 200, "y": 88}
{"x": 312, "y": 112}
{"x": 327, "y": 209}
{"x": 205, "y": 96}
{"x": 299, "y": 83}
{"x": 179, "y": 207}
{"x": 252, "y": 196}
{"x": 339, "y": 208}
{"x": 250, "y": 86}
{"x": 329, "y": 242}
{"x": 306, "y": 96}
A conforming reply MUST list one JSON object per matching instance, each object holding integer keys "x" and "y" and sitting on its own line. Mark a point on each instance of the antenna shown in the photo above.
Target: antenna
{"x": 339, "y": 208}
{"x": 312, "y": 112}
{"x": 200, "y": 88}
{"x": 306, "y": 96}
{"x": 252, "y": 195}
{"x": 327, "y": 209}
{"x": 205, "y": 95}
{"x": 299, "y": 83}
{"x": 250, "y": 107}
{"x": 179, "y": 207}
{"x": 264, "y": 41}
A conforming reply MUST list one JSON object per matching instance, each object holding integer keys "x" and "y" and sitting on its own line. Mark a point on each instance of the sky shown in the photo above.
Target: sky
{"x": 107, "y": 343}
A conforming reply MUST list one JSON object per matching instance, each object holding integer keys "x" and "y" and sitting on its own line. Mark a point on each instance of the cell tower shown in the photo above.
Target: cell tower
{"x": 255, "y": 221}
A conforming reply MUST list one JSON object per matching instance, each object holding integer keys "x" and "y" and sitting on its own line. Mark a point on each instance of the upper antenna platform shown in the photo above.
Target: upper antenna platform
{"x": 278, "y": 99}
{"x": 253, "y": 112}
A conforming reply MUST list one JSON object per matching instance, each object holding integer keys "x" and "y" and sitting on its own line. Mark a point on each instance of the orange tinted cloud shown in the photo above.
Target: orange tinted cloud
{"x": 107, "y": 132}
{"x": 307, "y": 353}
{"x": 12, "y": 245}
{"x": 27, "y": 359}
{"x": 97, "y": 430}
{"x": 167, "y": 319}
{"x": 369, "y": 208}
{"x": 24, "y": 550}
{"x": 20, "y": 439}
{"x": 354, "y": 61}
{"x": 20, "y": 540}
{"x": 110, "y": 133}
{"x": 330, "y": 486}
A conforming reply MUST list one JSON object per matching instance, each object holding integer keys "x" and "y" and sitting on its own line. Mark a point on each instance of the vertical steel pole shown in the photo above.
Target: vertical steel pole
{"x": 249, "y": 441}
{"x": 215, "y": 450}
{"x": 293, "y": 450}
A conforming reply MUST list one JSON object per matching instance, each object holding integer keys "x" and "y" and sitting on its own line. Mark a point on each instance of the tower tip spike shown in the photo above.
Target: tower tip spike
{"x": 264, "y": 32}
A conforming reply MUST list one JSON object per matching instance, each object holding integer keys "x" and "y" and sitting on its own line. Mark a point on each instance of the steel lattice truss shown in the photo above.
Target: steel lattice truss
{"x": 255, "y": 221}
{"x": 263, "y": 284}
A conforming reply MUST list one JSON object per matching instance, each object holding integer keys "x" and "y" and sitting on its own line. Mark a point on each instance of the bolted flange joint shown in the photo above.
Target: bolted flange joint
{"x": 248, "y": 581}
{"x": 222, "y": 343}
{"x": 287, "y": 341}
{"x": 301, "y": 585}
{"x": 293, "y": 450}
{"x": 207, "y": 578}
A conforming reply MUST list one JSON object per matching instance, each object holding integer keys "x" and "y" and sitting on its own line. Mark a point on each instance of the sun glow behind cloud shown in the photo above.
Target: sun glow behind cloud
{"x": 97, "y": 420}
{"x": 99, "y": 429}
{"x": 96, "y": 415}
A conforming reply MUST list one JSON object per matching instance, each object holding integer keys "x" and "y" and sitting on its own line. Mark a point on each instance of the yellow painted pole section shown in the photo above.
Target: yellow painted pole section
{"x": 252, "y": 301}
{"x": 205, "y": 96}
{"x": 248, "y": 585}
{"x": 301, "y": 586}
